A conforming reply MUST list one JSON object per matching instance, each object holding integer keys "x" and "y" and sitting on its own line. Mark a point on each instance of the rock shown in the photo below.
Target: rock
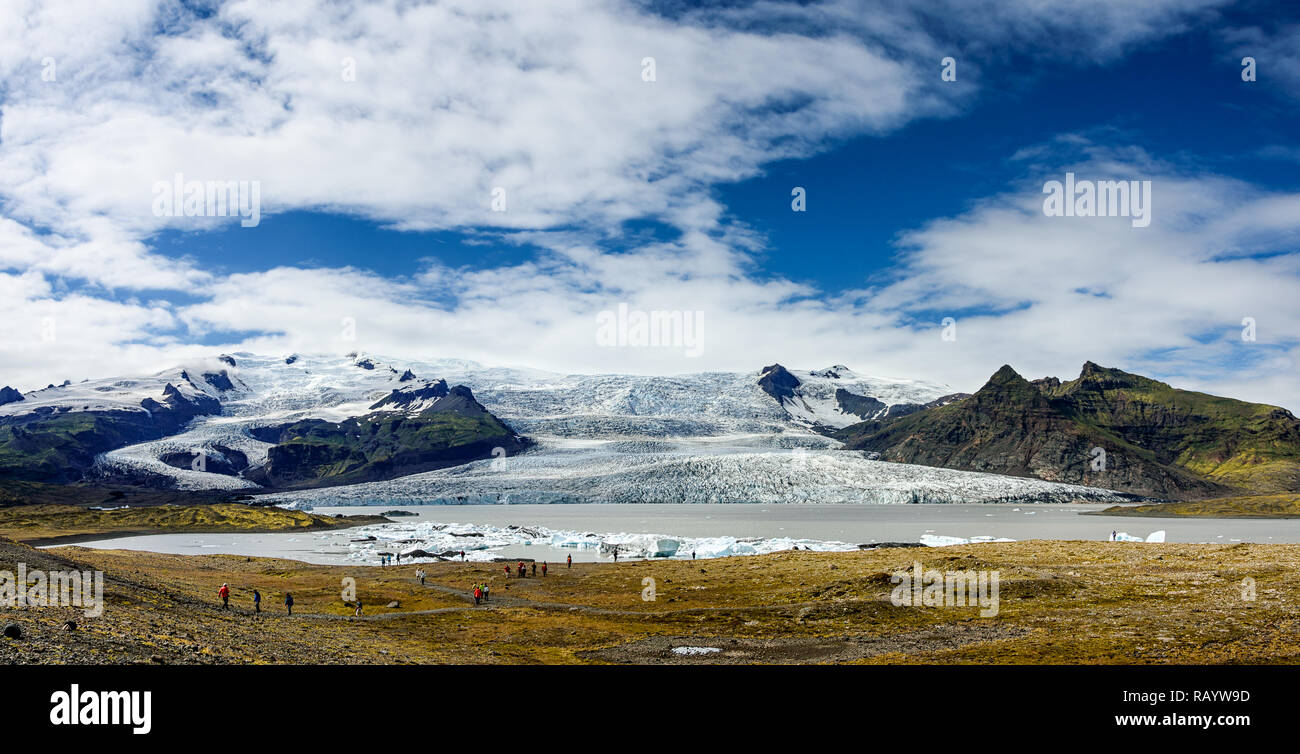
{"x": 69, "y": 625}
{"x": 9, "y": 395}
{"x": 13, "y": 631}
{"x": 394, "y": 605}
{"x": 157, "y": 660}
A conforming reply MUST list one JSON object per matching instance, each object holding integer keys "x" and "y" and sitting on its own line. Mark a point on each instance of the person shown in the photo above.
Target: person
{"x": 486, "y": 589}
{"x": 543, "y": 568}
{"x": 462, "y": 556}
{"x": 257, "y": 601}
{"x": 615, "y": 554}
{"x": 358, "y": 613}
{"x": 507, "y": 570}
{"x": 478, "y": 594}
{"x": 534, "y": 568}
{"x": 288, "y": 602}
{"x": 522, "y": 573}
{"x": 569, "y": 561}
{"x": 224, "y": 594}
{"x": 692, "y": 555}
{"x": 1113, "y": 534}
{"x": 419, "y": 574}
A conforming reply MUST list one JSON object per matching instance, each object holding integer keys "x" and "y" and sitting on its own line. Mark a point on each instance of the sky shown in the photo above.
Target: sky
{"x": 491, "y": 180}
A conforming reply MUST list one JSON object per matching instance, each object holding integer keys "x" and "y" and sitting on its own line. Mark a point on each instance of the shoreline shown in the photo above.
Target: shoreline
{"x": 74, "y": 539}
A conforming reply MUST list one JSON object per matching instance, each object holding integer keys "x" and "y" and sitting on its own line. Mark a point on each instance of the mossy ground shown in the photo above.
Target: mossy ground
{"x": 1285, "y": 505}
{"x": 1061, "y": 602}
{"x": 43, "y": 523}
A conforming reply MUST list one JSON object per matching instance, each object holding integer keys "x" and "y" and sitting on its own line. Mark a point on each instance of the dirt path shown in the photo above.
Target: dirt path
{"x": 498, "y": 602}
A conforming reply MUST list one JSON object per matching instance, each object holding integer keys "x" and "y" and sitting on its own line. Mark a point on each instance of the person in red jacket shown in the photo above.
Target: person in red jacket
{"x": 224, "y": 594}
{"x": 478, "y": 593}
{"x": 507, "y": 570}
{"x": 543, "y": 568}
{"x": 522, "y": 572}
{"x": 569, "y": 562}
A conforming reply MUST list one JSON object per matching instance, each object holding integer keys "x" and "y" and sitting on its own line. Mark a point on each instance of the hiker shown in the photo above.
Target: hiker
{"x": 288, "y": 602}
{"x": 615, "y": 554}
{"x": 358, "y": 613}
{"x": 224, "y": 594}
{"x": 478, "y": 594}
{"x": 692, "y": 555}
{"x": 523, "y": 574}
{"x": 534, "y": 568}
{"x": 543, "y": 568}
{"x": 257, "y": 601}
{"x": 570, "y": 561}
{"x": 507, "y": 570}
{"x": 1113, "y": 534}
{"x": 462, "y": 556}
{"x": 419, "y": 574}
{"x": 486, "y": 589}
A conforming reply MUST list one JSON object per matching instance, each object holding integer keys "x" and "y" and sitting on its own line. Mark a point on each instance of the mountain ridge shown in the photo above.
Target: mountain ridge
{"x": 1153, "y": 439}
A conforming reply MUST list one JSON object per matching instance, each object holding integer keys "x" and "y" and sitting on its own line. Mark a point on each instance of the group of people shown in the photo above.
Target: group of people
{"x": 480, "y": 590}
{"x": 224, "y": 594}
{"x": 386, "y": 559}
{"x": 523, "y": 571}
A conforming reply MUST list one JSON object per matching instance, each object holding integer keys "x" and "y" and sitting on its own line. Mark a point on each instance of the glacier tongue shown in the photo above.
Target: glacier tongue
{"x": 694, "y": 471}
{"x": 702, "y": 438}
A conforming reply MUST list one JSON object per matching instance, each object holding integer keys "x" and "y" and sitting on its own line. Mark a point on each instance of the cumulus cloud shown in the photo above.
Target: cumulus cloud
{"x": 549, "y": 102}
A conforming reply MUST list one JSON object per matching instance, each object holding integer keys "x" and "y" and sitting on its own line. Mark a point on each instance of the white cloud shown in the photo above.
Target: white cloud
{"x": 547, "y": 101}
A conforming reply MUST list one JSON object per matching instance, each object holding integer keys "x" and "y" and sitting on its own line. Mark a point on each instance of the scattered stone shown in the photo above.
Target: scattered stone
{"x": 13, "y": 631}
{"x": 69, "y": 625}
{"x": 394, "y": 605}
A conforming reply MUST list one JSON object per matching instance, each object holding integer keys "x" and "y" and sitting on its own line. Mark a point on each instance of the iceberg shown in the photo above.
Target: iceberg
{"x": 939, "y": 540}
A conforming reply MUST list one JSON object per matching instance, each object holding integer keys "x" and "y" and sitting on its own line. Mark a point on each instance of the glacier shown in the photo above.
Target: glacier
{"x": 713, "y": 437}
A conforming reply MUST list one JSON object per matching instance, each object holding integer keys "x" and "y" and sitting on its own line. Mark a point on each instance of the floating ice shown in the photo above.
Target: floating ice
{"x": 939, "y": 540}
{"x": 1123, "y": 536}
{"x": 425, "y": 540}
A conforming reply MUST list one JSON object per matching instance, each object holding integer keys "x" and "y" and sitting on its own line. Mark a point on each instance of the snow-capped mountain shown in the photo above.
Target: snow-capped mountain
{"x": 836, "y": 397}
{"x": 712, "y": 437}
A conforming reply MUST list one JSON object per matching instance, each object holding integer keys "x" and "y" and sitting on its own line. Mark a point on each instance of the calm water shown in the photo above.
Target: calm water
{"x": 845, "y": 523}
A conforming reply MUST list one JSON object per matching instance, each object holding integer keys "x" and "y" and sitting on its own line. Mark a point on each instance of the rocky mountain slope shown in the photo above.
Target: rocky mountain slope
{"x": 410, "y": 431}
{"x": 220, "y": 424}
{"x": 1154, "y": 439}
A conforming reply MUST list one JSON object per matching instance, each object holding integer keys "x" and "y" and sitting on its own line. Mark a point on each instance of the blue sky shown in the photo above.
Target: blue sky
{"x": 670, "y": 194}
{"x": 1179, "y": 97}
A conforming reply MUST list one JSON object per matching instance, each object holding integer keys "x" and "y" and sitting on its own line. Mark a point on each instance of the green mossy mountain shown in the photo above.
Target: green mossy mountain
{"x": 1158, "y": 441}
{"x": 386, "y": 444}
{"x": 60, "y": 446}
